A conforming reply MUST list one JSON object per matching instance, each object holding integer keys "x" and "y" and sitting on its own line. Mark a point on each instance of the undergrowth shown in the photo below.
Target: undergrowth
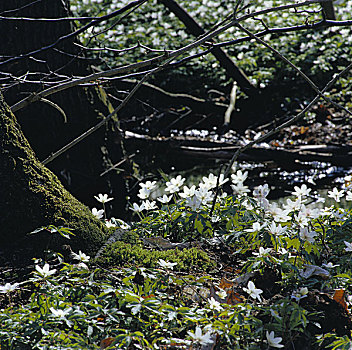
{"x": 281, "y": 280}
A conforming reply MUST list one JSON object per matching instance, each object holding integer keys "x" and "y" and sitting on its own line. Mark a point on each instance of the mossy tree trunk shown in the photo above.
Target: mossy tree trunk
{"x": 32, "y": 196}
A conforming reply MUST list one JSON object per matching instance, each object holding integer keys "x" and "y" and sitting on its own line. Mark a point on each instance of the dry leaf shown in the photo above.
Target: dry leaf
{"x": 225, "y": 284}
{"x": 148, "y": 296}
{"x": 303, "y": 129}
{"x": 234, "y": 298}
{"x": 105, "y": 343}
{"x": 339, "y": 297}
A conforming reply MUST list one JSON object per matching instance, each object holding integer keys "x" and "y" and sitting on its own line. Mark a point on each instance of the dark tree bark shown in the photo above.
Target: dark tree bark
{"x": 78, "y": 169}
{"x": 328, "y": 10}
{"x": 32, "y": 197}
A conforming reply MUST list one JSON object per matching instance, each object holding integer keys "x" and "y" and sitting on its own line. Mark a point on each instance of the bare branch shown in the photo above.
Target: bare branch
{"x": 125, "y": 69}
{"x": 92, "y": 77}
{"x": 21, "y": 8}
{"x": 57, "y": 107}
{"x": 297, "y": 28}
{"x": 280, "y": 8}
{"x": 61, "y": 19}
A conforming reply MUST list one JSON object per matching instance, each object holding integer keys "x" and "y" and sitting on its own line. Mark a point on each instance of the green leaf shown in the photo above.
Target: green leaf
{"x": 198, "y": 225}
{"x": 295, "y": 243}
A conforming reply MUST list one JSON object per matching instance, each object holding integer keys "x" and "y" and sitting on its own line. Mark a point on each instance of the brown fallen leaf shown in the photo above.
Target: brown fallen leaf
{"x": 339, "y": 297}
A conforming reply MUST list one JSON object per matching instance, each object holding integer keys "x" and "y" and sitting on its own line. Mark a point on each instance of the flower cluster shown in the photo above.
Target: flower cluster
{"x": 193, "y": 197}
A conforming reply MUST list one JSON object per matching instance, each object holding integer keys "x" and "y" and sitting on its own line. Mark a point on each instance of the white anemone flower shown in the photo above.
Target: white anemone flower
{"x": 199, "y": 337}
{"x": 256, "y": 227}
{"x": 349, "y": 196}
{"x": 272, "y": 341}
{"x": 222, "y": 294}
{"x": 240, "y": 189}
{"x": 253, "y": 291}
{"x": 293, "y": 205}
{"x": 171, "y": 315}
{"x": 306, "y": 235}
{"x": 301, "y": 219}
{"x": 103, "y": 198}
{"x": 335, "y": 194}
{"x": 211, "y": 181}
{"x": 81, "y": 257}
{"x": 275, "y": 314}
{"x": 120, "y": 223}
{"x": 261, "y": 191}
{"x": 137, "y": 208}
{"x": 45, "y": 271}
{"x": 166, "y": 264}
{"x": 348, "y": 246}
{"x": 149, "y": 185}
{"x": 240, "y": 177}
{"x": 300, "y": 294}
{"x": 204, "y": 195}
{"x": 149, "y": 205}
{"x": 188, "y": 192}
{"x": 164, "y": 199}
{"x": 174, "y": 184}
{"x": 214, "y": 305}
{"x": 109, "y": 223}
{"x": 247, "y": 205}
{"x": 276, "y": 230}
{"x": 330, "y": 265}
{"x": 310, "y": 212}
{"x": 194, "y": 203}
{"x": 98, "y": 213}
{"x": 262, "y": 252}
{"x": 327, "y": 211}
{"x": 278, "y": 214}
{"x": 8, "y": 287}
{"x": 59, "y": 313}
{"x": 301, "y": 191}
{"x": 282, "y": 251}
{"x": 348, "y": 181}
{"x": 143, "y": 193}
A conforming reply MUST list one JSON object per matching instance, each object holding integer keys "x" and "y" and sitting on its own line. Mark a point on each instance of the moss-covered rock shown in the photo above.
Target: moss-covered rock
{"x": 32, "y": 196}
{"x": 129, "y": 251}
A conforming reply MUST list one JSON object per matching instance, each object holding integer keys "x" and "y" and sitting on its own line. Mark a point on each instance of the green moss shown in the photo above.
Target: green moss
{"x": 32, "y": 196}
{"x": 131, "y": 237}
{"x": 130, "y": 252}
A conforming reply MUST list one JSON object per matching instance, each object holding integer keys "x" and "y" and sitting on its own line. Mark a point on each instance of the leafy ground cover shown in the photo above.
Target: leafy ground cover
{"x": 319, "y": 53}
{"x": 279, "y": 275}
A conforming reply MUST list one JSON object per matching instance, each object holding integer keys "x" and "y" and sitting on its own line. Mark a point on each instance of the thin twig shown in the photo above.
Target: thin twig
{"x": 60, "y": 19}
{"x": 217, "y": 189}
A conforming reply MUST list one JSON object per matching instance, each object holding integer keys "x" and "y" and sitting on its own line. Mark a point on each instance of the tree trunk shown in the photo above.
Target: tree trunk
{"x": 32, "y": 196}
{"x": 79, "y": 168}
